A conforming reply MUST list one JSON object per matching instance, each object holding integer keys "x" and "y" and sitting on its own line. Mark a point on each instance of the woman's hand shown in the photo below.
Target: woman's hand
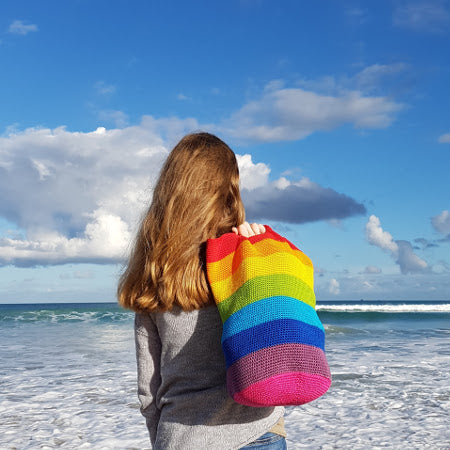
{"x": 247, "y": 230}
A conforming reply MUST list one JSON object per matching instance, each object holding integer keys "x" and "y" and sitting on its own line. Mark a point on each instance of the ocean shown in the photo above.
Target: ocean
{"x": 68, "y": 378}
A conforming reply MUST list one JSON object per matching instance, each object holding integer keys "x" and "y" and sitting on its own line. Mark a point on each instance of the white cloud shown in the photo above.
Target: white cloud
{"x": 378, "y": 237}
{"x": 334, "y": 287}
{"x": 444, "y": 138}
{"x": 424, "y": 15}
{"x": 252, "y": 175}
{"x": 401, "y": 251}
{"x": 407, "y": 260}
{"x": 441, "y": 222}
{"x": 105, "y": 239}
{"x": 20, "y": 28}
{"x": 78, "y": 196}
{"x": 294, "y": 113}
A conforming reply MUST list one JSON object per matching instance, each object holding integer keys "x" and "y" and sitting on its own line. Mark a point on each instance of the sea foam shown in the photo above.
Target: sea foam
{"x": 71, "y": 384}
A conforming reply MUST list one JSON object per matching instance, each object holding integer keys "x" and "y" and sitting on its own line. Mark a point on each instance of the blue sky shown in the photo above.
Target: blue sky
{"x": 339, "y": 112}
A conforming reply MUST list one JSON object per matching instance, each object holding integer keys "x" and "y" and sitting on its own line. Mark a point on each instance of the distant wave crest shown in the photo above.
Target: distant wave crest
{"x": 50, "y": 316}
{"x": 388, "y": 308}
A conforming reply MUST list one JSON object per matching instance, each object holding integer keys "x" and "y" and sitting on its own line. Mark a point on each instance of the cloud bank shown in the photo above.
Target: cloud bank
{"x": 298, "y": 202}
{"x": 103, "y": 240}
{"x": 78, "y": 197}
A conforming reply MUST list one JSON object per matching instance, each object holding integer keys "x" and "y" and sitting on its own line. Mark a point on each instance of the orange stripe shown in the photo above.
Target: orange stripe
{"x": 219, "y": 270}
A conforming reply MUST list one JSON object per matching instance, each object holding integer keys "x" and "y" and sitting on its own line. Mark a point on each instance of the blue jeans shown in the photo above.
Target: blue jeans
{"x": 268, "y": 441}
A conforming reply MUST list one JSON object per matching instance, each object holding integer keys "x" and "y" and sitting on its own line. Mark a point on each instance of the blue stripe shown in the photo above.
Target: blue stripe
{"x": 268, "y": 309}
{"x": 276, "y": 332}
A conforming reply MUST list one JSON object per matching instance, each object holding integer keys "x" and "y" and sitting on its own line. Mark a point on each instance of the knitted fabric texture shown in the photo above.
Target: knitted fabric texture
{"x": 273, "y": 340}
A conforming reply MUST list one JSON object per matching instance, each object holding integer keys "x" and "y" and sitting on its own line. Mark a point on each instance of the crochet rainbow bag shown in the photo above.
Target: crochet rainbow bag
{"x": 273, "y": 340}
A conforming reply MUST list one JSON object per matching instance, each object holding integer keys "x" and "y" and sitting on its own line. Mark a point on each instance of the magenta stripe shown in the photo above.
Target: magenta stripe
{"x": 271, "y": 361}
{"x": 282, "y": 390}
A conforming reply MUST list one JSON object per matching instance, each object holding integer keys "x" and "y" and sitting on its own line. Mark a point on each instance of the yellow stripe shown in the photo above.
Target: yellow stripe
{"x": 275, "y": 264}
{"x": 220, "y": 270}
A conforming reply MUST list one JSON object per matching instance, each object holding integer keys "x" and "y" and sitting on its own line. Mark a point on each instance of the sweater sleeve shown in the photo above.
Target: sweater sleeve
{"x": 148, "y": 357}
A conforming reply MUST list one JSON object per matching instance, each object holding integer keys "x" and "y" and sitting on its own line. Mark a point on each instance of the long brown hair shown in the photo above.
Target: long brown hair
{"x": 196, "y": 198}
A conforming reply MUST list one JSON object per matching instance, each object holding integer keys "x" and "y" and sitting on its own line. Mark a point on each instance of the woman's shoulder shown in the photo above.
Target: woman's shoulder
{"x": 176, "y": 318}
{"x": 144, "y": 323}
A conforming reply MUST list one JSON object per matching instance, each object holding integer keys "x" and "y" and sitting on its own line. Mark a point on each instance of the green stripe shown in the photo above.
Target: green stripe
{"x": 266, "y": 286}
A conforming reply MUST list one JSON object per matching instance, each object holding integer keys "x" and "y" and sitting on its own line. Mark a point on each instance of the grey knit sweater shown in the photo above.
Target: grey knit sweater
{"x": 181, "y": 384}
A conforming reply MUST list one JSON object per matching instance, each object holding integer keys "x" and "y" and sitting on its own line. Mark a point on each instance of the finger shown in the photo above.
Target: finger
{"x": 250, "y": 231}
{"x": 256, "y": 228}
{"x": 235, "y": 230}
{"x": 245, "y": 230}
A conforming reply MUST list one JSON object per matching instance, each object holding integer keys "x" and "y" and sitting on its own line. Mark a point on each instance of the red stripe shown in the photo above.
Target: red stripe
{"x": 222, "y": 246}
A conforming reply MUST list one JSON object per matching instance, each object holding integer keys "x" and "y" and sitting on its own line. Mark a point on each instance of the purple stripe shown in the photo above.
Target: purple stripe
{"x": 271, "y": 361}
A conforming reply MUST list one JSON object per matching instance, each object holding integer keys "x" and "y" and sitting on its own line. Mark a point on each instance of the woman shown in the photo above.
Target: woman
{"x": 181, "y": 367}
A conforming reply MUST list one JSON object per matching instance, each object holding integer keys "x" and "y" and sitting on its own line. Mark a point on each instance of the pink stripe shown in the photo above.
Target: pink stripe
{"x": 283, "y": 390}
{"x": 271, "y": 361}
